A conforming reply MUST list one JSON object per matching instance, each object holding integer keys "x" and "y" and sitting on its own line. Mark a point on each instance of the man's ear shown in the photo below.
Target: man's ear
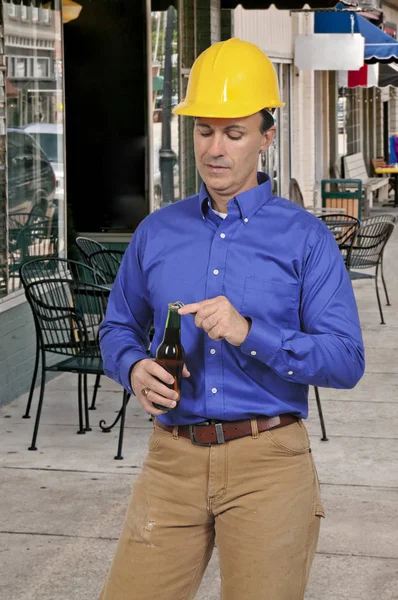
{"x": 267, "y": 139}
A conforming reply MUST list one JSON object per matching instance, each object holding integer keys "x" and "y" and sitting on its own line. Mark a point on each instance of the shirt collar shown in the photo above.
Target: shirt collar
{"x": 246, "y": 203}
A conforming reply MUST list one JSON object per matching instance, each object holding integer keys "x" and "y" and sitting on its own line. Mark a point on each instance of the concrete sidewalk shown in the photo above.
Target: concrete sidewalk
{"x": 62, "y": 507}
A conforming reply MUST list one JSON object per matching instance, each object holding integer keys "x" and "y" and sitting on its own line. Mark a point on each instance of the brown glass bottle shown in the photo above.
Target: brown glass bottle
{"x": 170, "y": 352}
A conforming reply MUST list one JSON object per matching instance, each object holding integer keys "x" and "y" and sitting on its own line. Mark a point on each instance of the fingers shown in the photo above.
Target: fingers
{"x": 196, "y": 306}
{"x": 150, "y": 376}
{"x": 154, "y": 369}
{"x": 185, "y": 372}
{"x": 208, "y": 323}
{"x": 153, "y": 397}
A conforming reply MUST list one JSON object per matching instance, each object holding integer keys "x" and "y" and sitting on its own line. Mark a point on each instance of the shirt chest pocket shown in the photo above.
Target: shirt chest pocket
{"x": 273, "y": 301}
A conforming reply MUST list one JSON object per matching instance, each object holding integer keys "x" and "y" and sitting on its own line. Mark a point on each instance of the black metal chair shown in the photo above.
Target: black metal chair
{"x": 53, "y": 268}
{"x": 29, "y": 237}
{"x": 367, "y": 251}
{"x": 344, "y": 228}
{"x": 67, "y": 314}
{"x": 106, "y": 263}
{"x": 87, "y": 246}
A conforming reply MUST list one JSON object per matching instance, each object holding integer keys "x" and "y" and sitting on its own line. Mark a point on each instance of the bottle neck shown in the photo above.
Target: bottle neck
{"x": 173, "y": 327}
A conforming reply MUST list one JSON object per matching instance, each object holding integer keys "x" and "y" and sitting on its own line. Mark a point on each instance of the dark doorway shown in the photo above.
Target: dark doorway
{"x": 106, "y": 115}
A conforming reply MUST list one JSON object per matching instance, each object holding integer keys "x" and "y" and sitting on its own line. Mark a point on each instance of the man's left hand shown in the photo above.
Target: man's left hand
{"x": 219, "y": 319}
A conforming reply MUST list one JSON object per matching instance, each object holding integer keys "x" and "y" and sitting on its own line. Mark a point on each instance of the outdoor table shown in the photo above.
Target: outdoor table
{"x": 390, "y": 171}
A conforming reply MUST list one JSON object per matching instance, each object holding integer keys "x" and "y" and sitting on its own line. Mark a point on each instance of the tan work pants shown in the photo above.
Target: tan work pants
{"x": 256, "y": 497}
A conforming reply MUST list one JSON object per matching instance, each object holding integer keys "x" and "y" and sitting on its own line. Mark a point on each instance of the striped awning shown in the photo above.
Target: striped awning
{"x": 282, "y": 4}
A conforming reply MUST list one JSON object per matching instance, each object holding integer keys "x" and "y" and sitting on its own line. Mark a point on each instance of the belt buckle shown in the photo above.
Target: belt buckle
{"x": 219, "y": 434}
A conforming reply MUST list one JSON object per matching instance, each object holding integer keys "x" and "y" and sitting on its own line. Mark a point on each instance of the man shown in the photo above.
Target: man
{"x": 269, "y": 310}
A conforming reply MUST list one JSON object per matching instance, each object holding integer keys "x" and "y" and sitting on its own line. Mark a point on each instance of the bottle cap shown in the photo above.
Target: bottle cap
{"x": 175, "y": 305}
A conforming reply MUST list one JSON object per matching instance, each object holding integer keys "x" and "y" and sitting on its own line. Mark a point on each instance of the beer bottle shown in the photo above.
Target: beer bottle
{"x": 170, "y": 353}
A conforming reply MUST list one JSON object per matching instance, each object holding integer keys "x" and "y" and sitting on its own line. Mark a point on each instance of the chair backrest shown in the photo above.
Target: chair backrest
{"x": 58, "y": 268}
{"x": 376, "y": 163}
{"x": 67, "y": 315}
{"x": 87, "y": 246}
{"x": 106, "y": 263}
{"x": 295, "y": 194}
{"x": 368, "y": 245}
{"x": 387, "y": 218}
{"x": 344, "y": 228}
{"x": 354, "y": 167}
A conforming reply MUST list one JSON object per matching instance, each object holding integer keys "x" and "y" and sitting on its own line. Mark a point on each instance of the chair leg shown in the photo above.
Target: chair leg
{"x": 324, "y": 437}
{"x": 126, "y": 398}
{"x": 86, "y": 413}
{"x": 96, "y": 386}
{"x": 80, "y": 403}
{"x": 378, "y": 295}
{"x": 384, "y": 283}
{"x": 32, "y": 385}
{"x": 39, "y": 408}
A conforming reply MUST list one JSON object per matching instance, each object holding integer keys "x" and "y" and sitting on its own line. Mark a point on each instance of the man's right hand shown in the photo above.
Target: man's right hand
{"x": 149, "y": 375}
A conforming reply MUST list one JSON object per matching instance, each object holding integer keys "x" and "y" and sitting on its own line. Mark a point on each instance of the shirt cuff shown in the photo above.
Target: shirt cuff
{"x": 127, "y": 362}
{"x": 262, "y": 341}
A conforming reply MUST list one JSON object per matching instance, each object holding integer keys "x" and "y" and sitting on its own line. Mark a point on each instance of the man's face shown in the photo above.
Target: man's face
{"x": 227, "y": 150}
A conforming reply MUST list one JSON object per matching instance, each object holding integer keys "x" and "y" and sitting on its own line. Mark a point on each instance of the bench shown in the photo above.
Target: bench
{"x": 354, "y": 168}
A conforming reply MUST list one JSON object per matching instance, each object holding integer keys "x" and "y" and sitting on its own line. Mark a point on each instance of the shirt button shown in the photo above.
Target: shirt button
{"x": 246, "y": 220}
{"x": 214, "y": 390}
{"x": 216, "y": 272}
{"x": 222, "y": 235}
{"x": 253, "y": 353}
{"x": 212, "y": 351}
{"x": 290, "y": 373}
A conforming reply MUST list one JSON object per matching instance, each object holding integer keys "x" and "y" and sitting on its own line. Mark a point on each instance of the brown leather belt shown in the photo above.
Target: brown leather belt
{"x": 218, "y": 432}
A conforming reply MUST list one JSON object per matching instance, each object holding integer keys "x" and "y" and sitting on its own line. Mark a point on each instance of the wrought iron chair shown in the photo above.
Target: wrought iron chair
{"x": 344, "y": 228}
{"x": 53, "y": 268}
{"x": 106, "y": 263}
{"x": 367, "y": 251}
{"x": 87, "y": 246}
{"x": 67, "y": 314}
{"x": 30, "y": 237}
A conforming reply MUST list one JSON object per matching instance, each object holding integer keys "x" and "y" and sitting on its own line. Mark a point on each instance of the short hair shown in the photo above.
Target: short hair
{"x": 267, "y": 120}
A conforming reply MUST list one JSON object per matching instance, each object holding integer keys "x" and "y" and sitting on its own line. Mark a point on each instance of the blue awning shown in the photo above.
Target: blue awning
{"x": 379, "y": 46}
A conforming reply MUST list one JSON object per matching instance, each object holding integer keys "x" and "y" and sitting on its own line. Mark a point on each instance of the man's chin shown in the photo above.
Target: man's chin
{"x": 217, "y": 182}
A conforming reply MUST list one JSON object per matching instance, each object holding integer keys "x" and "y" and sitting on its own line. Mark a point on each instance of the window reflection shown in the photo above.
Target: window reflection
{"x": 166, "y": 181}
{"x": 35, "y": 174}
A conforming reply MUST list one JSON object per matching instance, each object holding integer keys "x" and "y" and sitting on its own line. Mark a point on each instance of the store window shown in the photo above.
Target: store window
{"x": 34, "y": 174}
{"x": 276, "y": 162}
{"x": 166, "y": 180}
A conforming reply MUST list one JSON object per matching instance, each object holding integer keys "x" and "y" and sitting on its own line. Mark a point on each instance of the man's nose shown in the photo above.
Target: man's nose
{"x": 216, "y": 147}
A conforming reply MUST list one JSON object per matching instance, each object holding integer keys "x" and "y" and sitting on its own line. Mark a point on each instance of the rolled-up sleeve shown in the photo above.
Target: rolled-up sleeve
{"x": 124, "y": 333}
{"x": 328, "y": 349}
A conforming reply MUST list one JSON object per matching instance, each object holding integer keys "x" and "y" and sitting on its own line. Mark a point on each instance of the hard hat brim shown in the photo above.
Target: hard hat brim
{"x": 229, "y": 111}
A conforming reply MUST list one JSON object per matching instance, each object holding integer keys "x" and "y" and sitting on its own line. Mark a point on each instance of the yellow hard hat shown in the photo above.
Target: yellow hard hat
{"x": 230, "y": 79}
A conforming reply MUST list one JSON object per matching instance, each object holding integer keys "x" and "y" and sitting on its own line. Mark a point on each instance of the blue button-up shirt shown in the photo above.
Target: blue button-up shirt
{"x": 277, "y": 264}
